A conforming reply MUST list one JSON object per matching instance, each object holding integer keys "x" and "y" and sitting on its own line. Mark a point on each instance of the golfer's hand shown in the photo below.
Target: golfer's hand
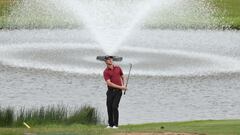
{"x": 124, "y": 88}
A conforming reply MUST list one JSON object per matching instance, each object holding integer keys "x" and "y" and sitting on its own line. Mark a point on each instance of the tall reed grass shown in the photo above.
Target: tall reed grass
{"x": 53, "y": 114}
{"x": 6, "y": 117}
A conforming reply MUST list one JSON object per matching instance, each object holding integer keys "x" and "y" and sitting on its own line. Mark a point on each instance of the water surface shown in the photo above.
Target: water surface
{"x": 177, "y": 75}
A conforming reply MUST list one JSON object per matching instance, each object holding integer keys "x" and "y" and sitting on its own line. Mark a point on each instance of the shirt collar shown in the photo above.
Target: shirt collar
{"x": 110, "y": 68}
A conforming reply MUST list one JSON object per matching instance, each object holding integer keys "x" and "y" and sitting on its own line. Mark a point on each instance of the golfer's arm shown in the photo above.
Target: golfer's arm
{"x": 109, "y": 83}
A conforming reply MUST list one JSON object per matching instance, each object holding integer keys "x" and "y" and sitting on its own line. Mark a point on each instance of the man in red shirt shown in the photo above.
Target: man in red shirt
{"x": 114, "y": 78}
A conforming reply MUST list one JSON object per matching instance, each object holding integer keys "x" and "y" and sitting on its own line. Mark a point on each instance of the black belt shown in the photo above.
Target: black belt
{"x": 115, "y": 89}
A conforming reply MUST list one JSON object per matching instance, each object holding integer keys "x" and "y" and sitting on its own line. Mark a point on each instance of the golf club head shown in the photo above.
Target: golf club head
{"x": 115, "y": 58}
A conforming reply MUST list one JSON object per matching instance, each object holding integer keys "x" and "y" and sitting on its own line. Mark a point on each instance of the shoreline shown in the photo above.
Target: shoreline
{"x": 146, "y": 28}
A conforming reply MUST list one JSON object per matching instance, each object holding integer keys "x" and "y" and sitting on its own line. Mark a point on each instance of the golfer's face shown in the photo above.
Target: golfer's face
{"x": 109, "y": 61}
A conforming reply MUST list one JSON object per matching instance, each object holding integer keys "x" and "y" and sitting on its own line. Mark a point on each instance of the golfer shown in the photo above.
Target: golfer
{"x": 114, "y": 78}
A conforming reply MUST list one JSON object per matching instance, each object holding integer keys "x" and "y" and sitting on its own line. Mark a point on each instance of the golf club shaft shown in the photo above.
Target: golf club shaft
{"x": 128, "y": 77}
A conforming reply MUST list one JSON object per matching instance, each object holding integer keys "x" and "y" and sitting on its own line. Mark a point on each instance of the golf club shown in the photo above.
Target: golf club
{"x": 128, "y": 77}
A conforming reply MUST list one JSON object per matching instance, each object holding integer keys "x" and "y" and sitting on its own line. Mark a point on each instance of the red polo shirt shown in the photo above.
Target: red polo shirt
{"x": 113, "y": 74}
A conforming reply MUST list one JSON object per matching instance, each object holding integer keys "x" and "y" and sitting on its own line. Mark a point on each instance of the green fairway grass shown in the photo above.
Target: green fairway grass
{"x": 208, "y": 127}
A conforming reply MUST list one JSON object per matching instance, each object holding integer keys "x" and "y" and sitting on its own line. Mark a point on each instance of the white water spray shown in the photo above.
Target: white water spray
{"x": 112, "y": 21}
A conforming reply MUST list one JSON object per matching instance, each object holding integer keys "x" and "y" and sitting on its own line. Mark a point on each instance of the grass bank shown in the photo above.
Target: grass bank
{"x": 5, "y": 9}
{"x": 4, "y": 6}
{"x": 209, "y": 127}
{"x": 228, "y": 11}
{"x": 225, "y": 14}
{"x": 201, "y": 14}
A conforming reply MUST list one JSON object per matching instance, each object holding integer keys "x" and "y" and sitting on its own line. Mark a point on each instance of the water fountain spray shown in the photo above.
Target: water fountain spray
{"x": 111, "y": 22}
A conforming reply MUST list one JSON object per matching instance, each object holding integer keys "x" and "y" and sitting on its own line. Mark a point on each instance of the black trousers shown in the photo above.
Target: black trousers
{"x": 113, "y": 100}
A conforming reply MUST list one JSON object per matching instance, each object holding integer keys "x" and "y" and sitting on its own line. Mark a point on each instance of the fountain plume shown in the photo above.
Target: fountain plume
{"x": 112, "y": 21}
